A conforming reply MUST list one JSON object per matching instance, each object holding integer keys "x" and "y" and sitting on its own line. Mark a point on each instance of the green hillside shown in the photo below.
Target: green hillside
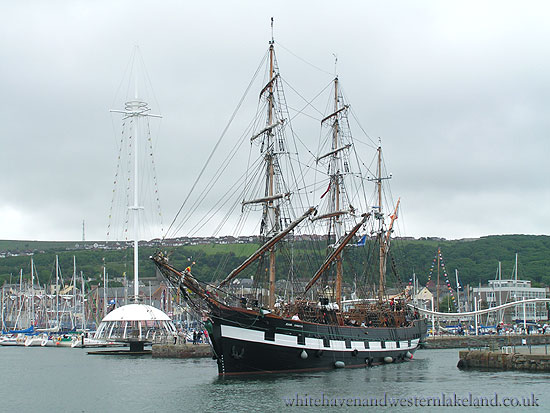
{"x": 476, "y": 260}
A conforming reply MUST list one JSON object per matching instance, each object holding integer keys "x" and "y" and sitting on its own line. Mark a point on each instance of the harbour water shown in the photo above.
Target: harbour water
{"x": 69, "y": 380}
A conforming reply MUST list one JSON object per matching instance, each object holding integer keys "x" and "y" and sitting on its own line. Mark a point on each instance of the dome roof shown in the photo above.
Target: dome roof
{"x": 136, "y": 312}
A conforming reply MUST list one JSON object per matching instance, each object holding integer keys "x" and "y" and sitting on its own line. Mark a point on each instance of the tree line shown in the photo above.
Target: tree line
{"x": 476, "y": 260}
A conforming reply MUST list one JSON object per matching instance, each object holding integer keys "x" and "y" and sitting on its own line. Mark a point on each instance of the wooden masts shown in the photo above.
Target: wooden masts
{"x": 380, "y": 233}
{"x": 336, "y": 253}
{"x": 271, "y": 147}
{"x": 270, "y": 184}
{"x": 337, "y": 206}
{"x": 382, "y": 239}
{"x": 335, "y": 179}
{"x": 268, "y": 246}
{"x": 334, "y": 213}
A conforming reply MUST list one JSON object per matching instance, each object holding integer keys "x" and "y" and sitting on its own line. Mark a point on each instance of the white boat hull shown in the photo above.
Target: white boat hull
{"x": 11, "y": 340}
{"x": 79, "y": 342}
{"x": 47, "y": 342}
{"x": 33, "y": 341}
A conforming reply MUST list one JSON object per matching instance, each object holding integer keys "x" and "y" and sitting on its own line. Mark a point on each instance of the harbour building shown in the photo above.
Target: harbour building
{"x": 499, "y": 292}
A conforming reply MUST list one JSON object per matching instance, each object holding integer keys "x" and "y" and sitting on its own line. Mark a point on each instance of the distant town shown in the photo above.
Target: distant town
{"x": 33, "y": 247}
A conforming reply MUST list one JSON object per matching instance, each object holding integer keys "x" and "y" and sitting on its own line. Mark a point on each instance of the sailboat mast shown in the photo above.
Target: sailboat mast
{"x": 457, "y": 290}
{"x": 3, "y": 324}
{"x": 104, "y": 290}
{"x": 32, "y": 292}
{"x": 516, "y": 269}
{"x": 83, "y": 302}
{"x": 336, "y": 183}
{"x": 270, "y": 177}
{"x": 74, "y": 281}
{"x": 20, "y": 297}
{"x": 500, "y": 289}
{"x": 380, "y": 232}
{"x": 437, "y": 286}
{"x": 57, "y": 290}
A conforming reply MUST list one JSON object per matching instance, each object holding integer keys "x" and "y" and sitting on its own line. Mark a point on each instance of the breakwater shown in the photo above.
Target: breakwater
{"x": 182, "y": 351}
{"x": 491, "y": 341}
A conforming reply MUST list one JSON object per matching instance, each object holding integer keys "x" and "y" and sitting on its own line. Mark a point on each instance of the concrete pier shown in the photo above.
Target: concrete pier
{"x": 182, "y": 351}
{"x": 533, "y": 359}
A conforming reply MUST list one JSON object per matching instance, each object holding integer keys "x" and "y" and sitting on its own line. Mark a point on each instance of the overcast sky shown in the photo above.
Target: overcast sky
{"x": 458, "y": 91}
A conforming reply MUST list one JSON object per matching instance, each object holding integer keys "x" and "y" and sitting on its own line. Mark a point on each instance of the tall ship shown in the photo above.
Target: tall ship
{"x": 310, "y": 326}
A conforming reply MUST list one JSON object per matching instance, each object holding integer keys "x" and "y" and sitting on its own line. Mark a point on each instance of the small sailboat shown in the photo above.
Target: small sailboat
{"x": 35, "y": 340}
{"x": 13, "y": 339}
{"x": 47, "y": 341}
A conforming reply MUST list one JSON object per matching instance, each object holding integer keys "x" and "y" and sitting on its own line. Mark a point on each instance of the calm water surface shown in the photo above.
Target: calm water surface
{"x": 69, "y": 380}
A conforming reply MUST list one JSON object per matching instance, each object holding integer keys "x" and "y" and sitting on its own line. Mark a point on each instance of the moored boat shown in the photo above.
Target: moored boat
{"x": 47, "y": 341}
{"x": 267, "y": 333}
{"x": 13, "y": 339}
{"x": 63, "y": 341}
{"x": 35, "y": 340}
{"x": 82, "y": 342}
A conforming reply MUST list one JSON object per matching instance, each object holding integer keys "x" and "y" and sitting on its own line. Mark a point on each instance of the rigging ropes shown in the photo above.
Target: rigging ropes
{"x": 178, "y": 228}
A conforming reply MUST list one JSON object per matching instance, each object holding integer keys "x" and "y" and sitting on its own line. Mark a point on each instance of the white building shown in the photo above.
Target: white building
{"x": 505, "y": 291}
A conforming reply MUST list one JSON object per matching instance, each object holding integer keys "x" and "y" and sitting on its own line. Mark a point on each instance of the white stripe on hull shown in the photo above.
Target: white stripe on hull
{"x": 286, "y": 340}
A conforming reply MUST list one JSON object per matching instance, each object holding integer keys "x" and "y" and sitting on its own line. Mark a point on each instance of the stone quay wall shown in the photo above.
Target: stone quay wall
{"x": 498, "y": 360}
{"x": 491, "y": 341}
{"x": 182, "y": 351}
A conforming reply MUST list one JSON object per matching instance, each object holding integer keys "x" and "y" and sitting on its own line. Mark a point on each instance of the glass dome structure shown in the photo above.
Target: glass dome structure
{"x": 136, "y": 324}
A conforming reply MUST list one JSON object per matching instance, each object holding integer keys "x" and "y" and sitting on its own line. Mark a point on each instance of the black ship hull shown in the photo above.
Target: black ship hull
{"x": 245, "y": 342}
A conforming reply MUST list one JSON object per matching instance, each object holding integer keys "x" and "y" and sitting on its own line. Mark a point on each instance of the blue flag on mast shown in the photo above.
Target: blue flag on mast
{"x": 362, "y": 241}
